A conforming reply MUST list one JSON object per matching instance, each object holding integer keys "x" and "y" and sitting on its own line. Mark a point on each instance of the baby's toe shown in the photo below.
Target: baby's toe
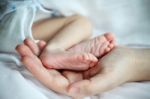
{"x": 111, "y": 45}
{"x": 103, "y": 48}
{"x": 107, "y": 49}
{"x": 109, "y": 36}
{"x": 90, "y": 59}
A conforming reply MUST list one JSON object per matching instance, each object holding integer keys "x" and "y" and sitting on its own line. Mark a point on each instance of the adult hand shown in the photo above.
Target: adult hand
{"x": 117, "y": 67}
{"x": 51, "y": 78}
{"x": 111, "y": 72}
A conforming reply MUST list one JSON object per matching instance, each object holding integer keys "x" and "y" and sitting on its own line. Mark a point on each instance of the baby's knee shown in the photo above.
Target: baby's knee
{"x": 82, "y": 21}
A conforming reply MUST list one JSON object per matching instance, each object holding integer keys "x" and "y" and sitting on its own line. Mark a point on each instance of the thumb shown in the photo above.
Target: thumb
{"x": 95, "y": 85}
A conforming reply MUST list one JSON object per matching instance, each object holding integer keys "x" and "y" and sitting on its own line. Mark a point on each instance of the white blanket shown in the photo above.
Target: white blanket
{"x": 127, "y": 19}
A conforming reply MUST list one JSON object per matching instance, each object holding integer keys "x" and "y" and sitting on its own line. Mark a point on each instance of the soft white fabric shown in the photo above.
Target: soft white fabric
{"x": 128, "y": 19}
{"x": 15, "y": 81}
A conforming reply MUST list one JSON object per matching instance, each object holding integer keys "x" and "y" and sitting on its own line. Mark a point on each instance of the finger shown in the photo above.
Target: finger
{"x": 48, "y": 78}
{"x": 32, "y": 45}
{"x": 24, "y": 50}
{"x": 73, "y": 76}
{"x": 96, "y": 85}
{"x": 79, "y": 88}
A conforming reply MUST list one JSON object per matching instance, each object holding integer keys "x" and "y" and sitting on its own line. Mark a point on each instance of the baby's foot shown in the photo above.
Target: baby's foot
{"x": 97, "y": 46}
{"x": 61, "y": 60}
{"x": 68, "y": 60}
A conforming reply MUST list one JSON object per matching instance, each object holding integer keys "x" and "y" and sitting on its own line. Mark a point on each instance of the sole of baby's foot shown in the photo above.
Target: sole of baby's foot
{"x": 68, "y": 60}
{"x": 97, "y": 46}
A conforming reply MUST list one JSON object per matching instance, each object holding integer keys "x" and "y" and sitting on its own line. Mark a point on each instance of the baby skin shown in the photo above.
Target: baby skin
{"x": 97, "y": 46}
{"x": 79, "y": 57}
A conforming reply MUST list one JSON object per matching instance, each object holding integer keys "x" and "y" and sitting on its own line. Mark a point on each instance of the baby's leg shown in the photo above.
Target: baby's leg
{"x": 62, "y": 33}
{"x": 97, "y": 46}
{"x": 66, "y": 32}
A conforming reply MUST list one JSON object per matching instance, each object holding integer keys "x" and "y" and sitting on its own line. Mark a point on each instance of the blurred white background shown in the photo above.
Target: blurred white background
{"x": 129, "y": 20}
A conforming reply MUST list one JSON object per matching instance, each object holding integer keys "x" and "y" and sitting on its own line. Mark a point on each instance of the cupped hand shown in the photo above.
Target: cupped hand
{"x": 114, "y": 69}
{"x": 51, "y": 78}
{"x": 111, "y": 71}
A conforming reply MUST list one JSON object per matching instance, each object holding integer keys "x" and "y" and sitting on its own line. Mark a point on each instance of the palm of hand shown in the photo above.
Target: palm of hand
{"x": 112, "y": 74}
